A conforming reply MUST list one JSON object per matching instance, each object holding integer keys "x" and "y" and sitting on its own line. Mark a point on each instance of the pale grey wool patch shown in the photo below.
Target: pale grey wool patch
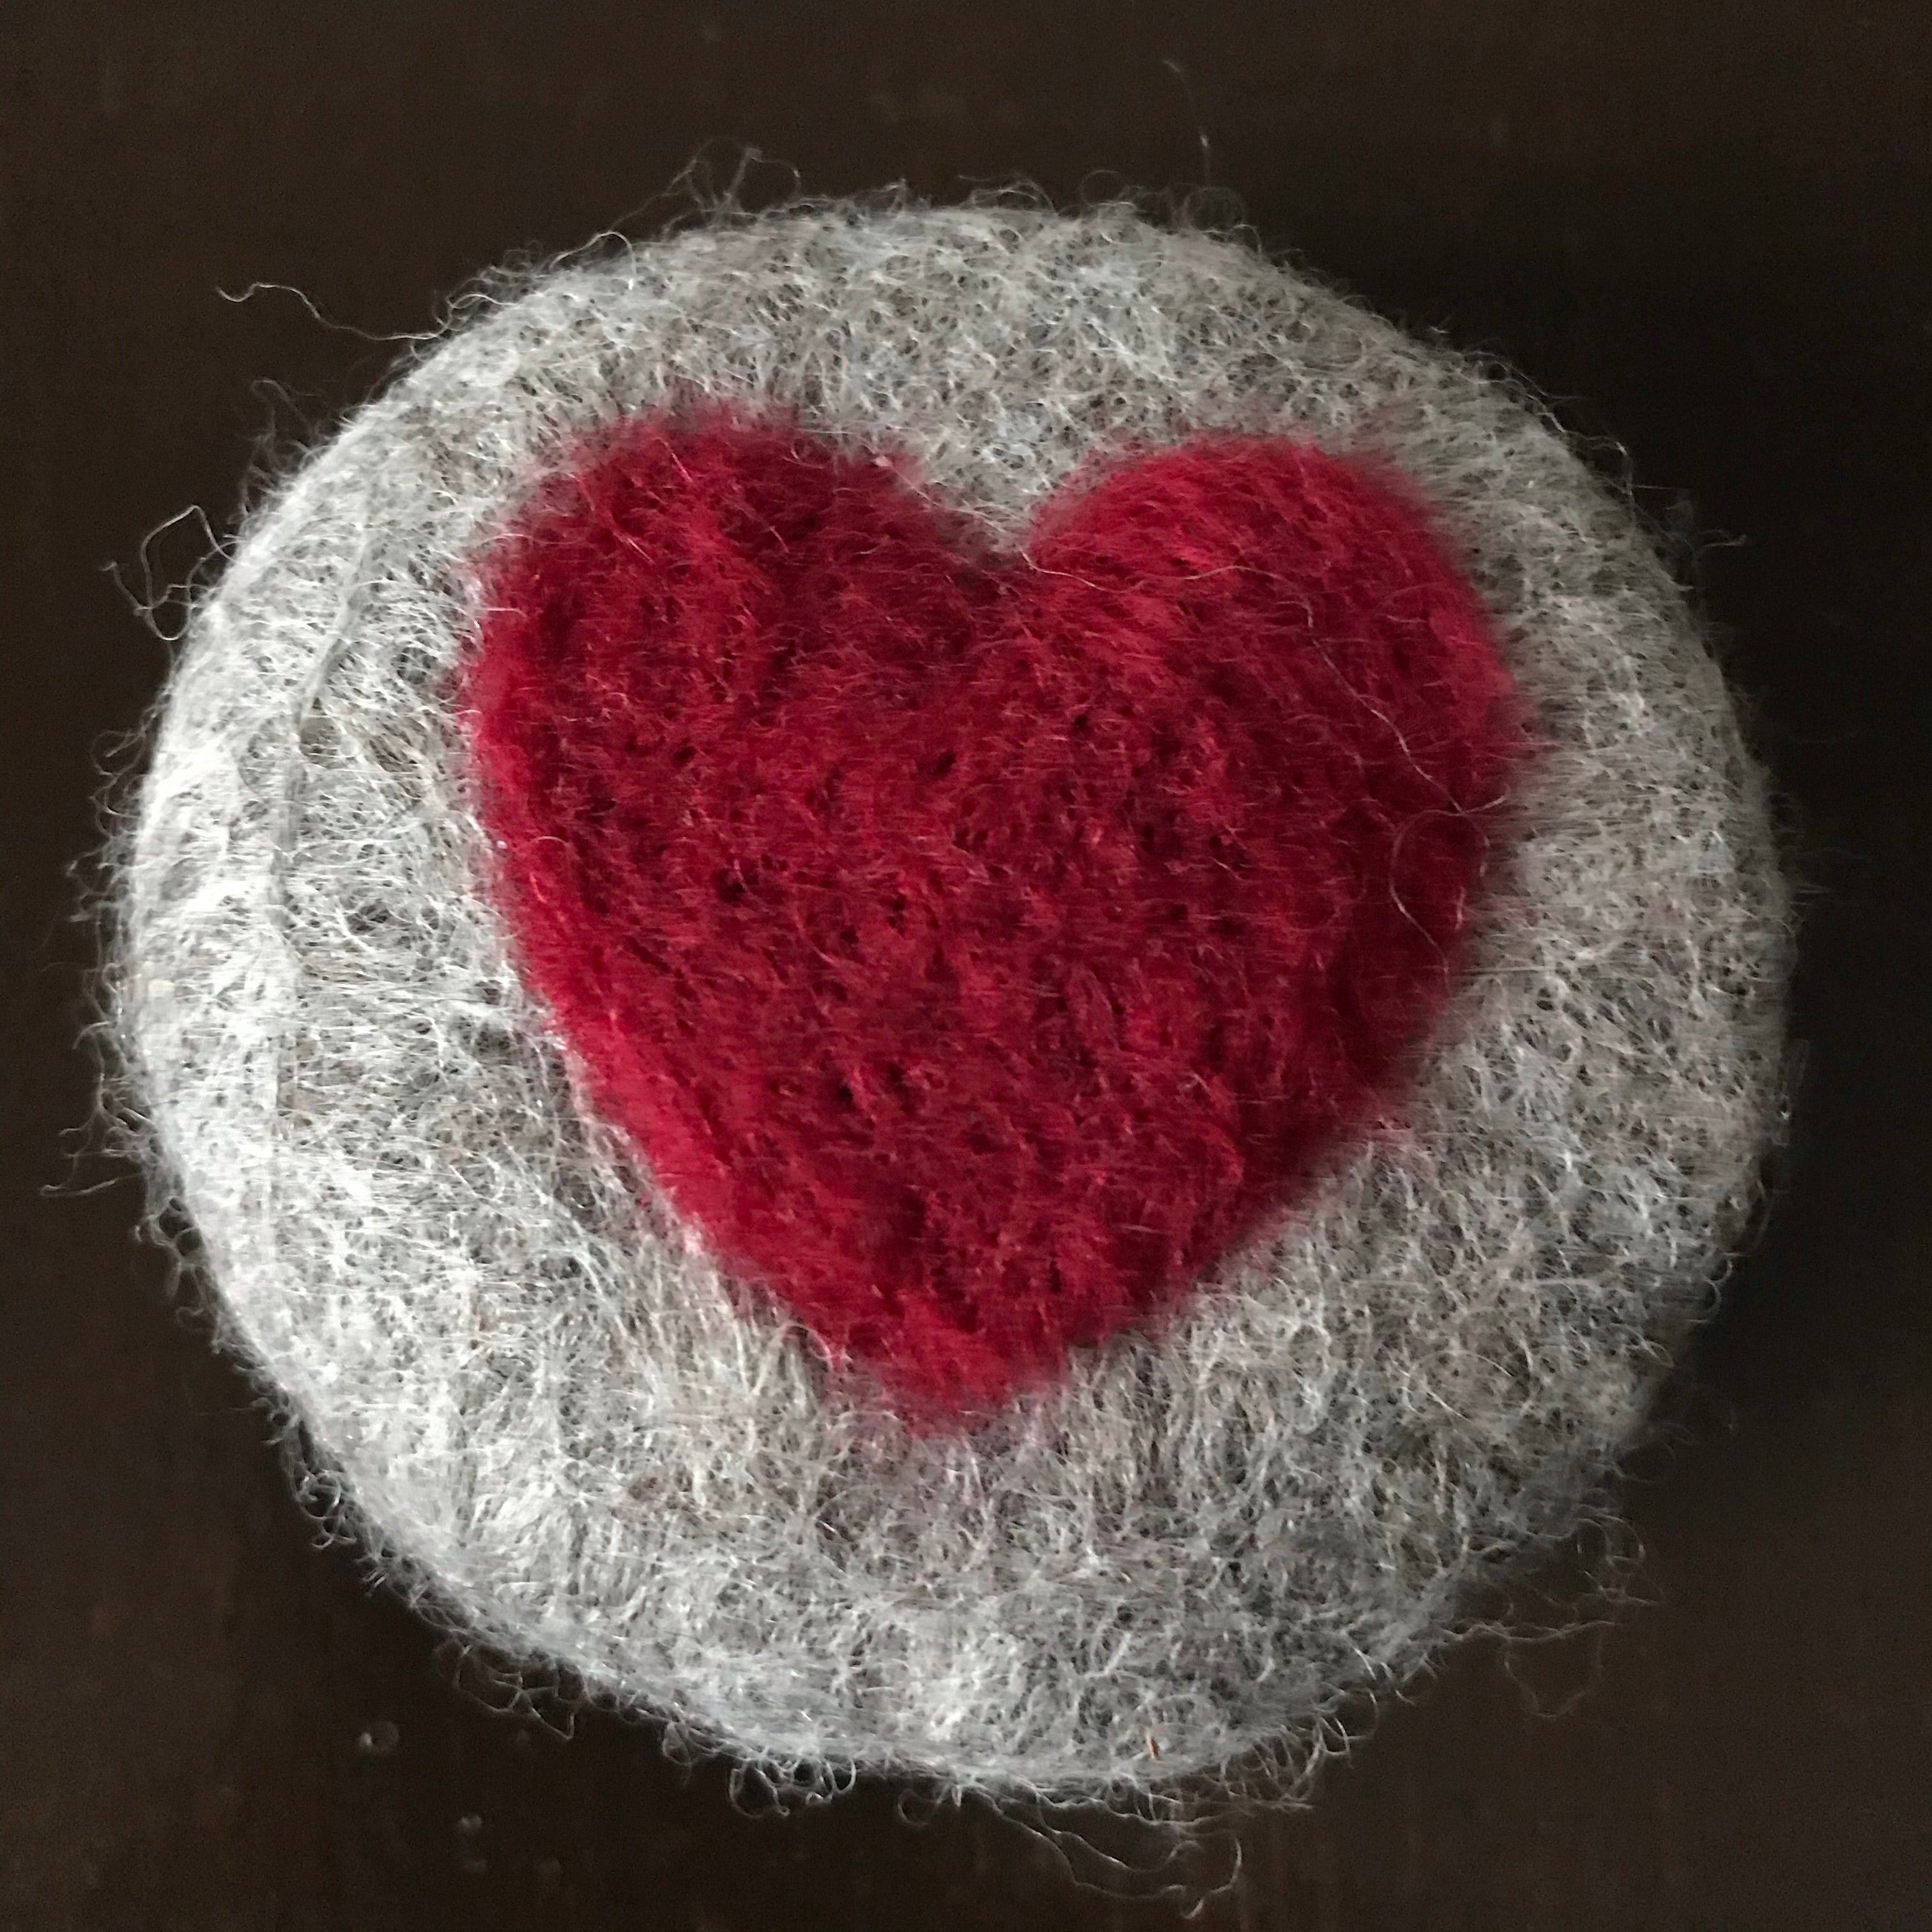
{"x": 535, "y": 1400}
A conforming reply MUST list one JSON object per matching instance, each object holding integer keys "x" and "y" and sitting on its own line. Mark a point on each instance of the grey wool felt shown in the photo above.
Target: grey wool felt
{"x": 528, "y": 1390}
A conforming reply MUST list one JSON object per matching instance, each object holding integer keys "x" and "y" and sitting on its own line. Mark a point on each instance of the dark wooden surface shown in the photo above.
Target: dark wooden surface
{"x": 1701, "y": 226}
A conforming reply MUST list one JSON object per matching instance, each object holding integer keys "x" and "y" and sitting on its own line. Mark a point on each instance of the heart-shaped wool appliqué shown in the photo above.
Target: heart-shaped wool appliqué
{"x": 977, "y": 946}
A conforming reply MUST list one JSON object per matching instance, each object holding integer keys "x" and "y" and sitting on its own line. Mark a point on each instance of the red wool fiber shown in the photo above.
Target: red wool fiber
{"x": 977, "y": 946}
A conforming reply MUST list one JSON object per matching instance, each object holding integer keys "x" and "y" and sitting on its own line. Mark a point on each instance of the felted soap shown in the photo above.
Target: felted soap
{"x": 962, "y": 992}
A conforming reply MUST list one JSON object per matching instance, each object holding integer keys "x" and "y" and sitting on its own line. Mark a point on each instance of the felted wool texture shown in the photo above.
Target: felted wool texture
{"x": 551, "y": 1415}
{"x": 976, "y": 948}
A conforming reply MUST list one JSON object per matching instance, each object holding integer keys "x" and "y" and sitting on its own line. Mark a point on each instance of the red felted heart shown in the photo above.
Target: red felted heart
{"x": 977, "y": 946}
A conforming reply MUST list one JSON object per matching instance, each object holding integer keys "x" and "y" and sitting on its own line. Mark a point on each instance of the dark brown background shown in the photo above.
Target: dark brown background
{"x": 1701, "y": 226}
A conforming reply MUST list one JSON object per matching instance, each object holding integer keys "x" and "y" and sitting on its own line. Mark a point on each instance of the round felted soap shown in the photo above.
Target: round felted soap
{"x": 957, "y": 990}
